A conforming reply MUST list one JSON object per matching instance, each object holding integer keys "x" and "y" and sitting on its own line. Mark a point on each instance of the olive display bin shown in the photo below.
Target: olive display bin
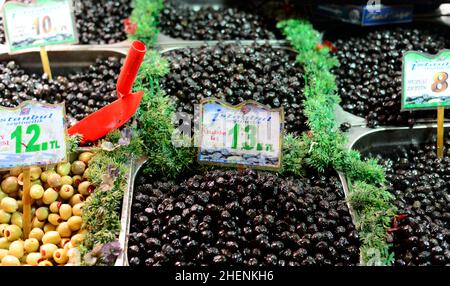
{"x": 164, "y": 39}
{"x": 63, "y": 60}
{"x": 388, "y": 142}
{"x": 126, "y": 216}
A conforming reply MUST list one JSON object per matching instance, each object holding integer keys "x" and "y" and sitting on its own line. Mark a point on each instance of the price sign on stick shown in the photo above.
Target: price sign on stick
{"x": 39, "y": 24}
{"x": 426, "y": 86}
{"x": 31, "y": 134}
{"x": 43, "y": 23}
{"x": 248, "y": 134}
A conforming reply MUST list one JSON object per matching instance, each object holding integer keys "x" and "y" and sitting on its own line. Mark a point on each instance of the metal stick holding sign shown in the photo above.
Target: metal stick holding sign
{"x": 39, "y": 24}
{"x": 36, "y": 136}
{"x": 425, "y": 86}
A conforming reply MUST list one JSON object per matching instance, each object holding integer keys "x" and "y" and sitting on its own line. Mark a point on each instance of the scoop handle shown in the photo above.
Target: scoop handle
{"x": 130, "y": 68}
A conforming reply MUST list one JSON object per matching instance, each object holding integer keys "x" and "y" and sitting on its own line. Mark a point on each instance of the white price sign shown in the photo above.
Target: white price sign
{"x": 43, "y": 23}
{"x": 32, "y": 134}
{"x": 426, "y": 80}
{"x": 248, "y": 134}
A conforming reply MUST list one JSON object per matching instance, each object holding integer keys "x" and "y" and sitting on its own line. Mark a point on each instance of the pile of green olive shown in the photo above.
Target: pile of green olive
{"x": 58, "y": 193}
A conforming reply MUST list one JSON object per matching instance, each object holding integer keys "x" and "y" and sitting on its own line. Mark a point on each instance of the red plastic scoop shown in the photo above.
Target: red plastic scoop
{"x": 114, "y": 115}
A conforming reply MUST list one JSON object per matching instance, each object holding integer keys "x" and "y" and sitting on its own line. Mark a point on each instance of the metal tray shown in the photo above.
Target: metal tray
{"x": 125, "y": 221}
{"x": 387, "y": 141}
{"x": 64, "y": 60}
{"x": 164, "y": 39}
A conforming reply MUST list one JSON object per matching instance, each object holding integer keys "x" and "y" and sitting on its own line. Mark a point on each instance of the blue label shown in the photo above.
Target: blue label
{"x": 387, "y": 15}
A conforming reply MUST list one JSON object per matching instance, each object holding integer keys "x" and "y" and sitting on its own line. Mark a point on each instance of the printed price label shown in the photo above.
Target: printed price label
{"x": 43, "y": 23}
{"x": 425, "y": 80}
{"x": 32, "y": 134}
{"x": 248, "y": 134}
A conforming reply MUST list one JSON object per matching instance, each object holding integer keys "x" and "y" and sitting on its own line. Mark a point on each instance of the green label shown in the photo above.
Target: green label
{"x": 248, "y": 134}
{"x": 32, "y": 134}
{"x": 425, "y": 80}
{"x": 43, "y": 23}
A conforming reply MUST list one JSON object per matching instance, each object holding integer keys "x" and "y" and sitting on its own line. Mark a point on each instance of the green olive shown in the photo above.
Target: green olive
{"x": 37, "y": 182}
{"x": 85, "y": 157}
{"x": 36, "y": 233}
{"x": 66, "y": 180}
{"x": 54, "y": 219}
{"x": 54, "y": 207}
{"x": 10, "y": 185}
{"x": 76, "y": 199}
{"x": 47, "y": 250}
{"x": 66, "y": 192}
{"x": 50, "y": 195}
{"x": 3, "y": 226}
{"x": 45, "y": 174}
{"x": 42, "y": 213}
{"x": 36, "y": 192}
{"x": 2, "y": 195}
{"x": 10, "y": 260}
{"x": 4, "y": 216}
{"x": 33, "y": 258}
{"x": 13, "y": 232}
{"x": 16, "y": 249}
{"x": 35, "y": 173}
{"x": 49, "y": 227}
{"x": 35, "y": 223}
{"x": 85, "y": 188}
{"x": 78, "y": 167}
{"x": 45, "y": 263}
{"x": 4, "y": 243}
{"x": 51, "y": 237}
{"x": 63, "y": 169}
{"x": 64, "y": 230}
{"x": 75, "y": 223}
{"x": 3, "y": 253}
{"x": 77, "y": 209}
{"x": 54, "y": 180}
{"x": 77, "y": 239}
{"x": 65, "y": 211}
{"x": 16, "y": 219}
{"x": 77, "y": 179}
{"x": 9, "y": 205}
{"x": 60, "y": 256}
{"x": 86, "y": 174}
{"x": 16, "y": 171}
{"x": 31, "y": 245}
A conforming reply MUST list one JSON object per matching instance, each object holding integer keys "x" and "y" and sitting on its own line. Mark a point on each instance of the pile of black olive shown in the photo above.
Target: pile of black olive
{"x": 208, "y": 23}
{"x": 370, "y": 73}
{"x": 234, "y": 73}
{"x": 241, "y": 218}
{"x": 98, "y": 22}
{"x": 420, "y": 183}
{"x": 101, "y": 21}
{"x": 83, "y": 92}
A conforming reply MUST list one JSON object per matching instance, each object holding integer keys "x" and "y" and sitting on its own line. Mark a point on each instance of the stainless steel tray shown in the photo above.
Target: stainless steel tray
{"x": 164, "y": 39}
{"x": 64, "y": 60}
{"x": 385, "y": 141}
{"x": 125, "y": 220}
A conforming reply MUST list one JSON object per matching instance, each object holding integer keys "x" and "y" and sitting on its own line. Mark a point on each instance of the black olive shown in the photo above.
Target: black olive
{"x": 228, "y": 232}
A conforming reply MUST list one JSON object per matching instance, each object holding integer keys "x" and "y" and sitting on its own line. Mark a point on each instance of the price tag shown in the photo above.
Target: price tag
{"x": 32, "y": 134}
{"x": 425, "y": 80}
{"x": 43, "y": 23}
{"x": 248, "y": 134}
